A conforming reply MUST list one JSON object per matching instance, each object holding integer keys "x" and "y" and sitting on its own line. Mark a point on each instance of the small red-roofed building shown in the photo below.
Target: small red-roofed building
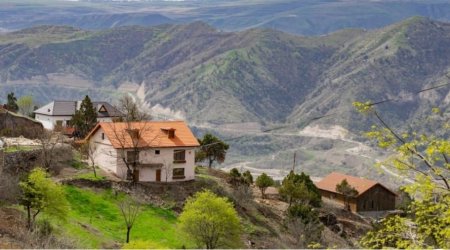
{"x": 163, "y": 150}
{"x": 372, "y": 196}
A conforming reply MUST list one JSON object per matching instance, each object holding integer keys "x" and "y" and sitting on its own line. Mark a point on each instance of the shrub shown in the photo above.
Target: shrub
{"x": 263, "y": 182}
{"x": 211, "y": 221}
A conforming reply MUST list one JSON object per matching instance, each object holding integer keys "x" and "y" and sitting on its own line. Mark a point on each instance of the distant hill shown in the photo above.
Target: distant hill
{"x": 257, "y": 75}
{"x": 306, "y": 17}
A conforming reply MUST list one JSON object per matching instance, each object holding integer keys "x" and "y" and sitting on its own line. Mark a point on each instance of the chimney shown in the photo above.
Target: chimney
{"x": 172, "y": 133}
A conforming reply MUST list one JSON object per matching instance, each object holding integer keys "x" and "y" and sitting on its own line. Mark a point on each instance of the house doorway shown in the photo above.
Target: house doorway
{"x": 158, "y": 174}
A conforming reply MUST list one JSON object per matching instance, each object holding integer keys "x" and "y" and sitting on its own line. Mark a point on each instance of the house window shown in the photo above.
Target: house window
{"x": 132, "y": 156}
{"x": 178, "y": 173}
{"x": 59, "y": 123}
{"x": 179, "y": 156}
{"x": 103, "y": 136}
{"x": 372, "y": 205}
{"x": 157, "y": 152}
{"x": 102, "y": 109}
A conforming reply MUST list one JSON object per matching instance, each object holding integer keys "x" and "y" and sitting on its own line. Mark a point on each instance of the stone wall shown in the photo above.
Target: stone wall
{"x": 23, "y": 161}
{"x": 14, "y": 125}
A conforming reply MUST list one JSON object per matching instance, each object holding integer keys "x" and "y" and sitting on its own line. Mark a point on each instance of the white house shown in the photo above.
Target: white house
{"x": 164, "y": 150}
{"x": 59, "y": 113}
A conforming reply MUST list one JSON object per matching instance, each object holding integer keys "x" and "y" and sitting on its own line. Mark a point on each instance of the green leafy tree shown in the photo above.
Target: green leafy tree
{"x": 347, "y": 191}
{"x": 248, "y": 177}
{"x": 25, "y": 105}
{"x": 210, "y": 220}
{"x": 263, "y": 182}
{"x": 214, "y": 149}
{"x": 404, "y": 200}
{"x": 302, "y": 219}
{"x": 200, "y": 155}
{"x": 235, "y": 177}
{"x": 234, "y": 173}
{"x": 424, "y": 160}
{"x": 42, "y": 194}
{"x": 296, "y": 193}
{"x": 392, "y": 232}
{"x": 84, "y": 118}
{"x": 11, "y": 103}
{"x": 299, "y": 188}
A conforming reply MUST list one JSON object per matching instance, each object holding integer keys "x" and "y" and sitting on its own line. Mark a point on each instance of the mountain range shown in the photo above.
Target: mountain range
{"x": 306, "y": 17}
{"x": 258, "y": 75}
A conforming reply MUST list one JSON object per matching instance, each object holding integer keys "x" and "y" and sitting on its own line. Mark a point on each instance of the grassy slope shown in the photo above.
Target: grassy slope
{"x": 94, "y": 220}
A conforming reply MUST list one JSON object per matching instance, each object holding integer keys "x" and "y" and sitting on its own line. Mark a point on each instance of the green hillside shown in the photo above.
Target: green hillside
{"x": 95, "y": 221}
{"x": 258, "y": 75}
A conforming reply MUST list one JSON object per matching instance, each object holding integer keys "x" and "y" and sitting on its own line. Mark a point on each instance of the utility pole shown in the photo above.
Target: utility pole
{"x": 293, "y": 165}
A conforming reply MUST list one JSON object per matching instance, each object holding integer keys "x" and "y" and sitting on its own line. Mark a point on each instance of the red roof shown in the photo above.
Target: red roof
{"x": 360, "y": 184}
{"x": 151, "y": 134}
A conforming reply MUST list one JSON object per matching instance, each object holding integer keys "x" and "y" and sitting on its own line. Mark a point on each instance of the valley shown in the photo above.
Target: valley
{"x": 272, "y": 90}
{"x": 224, "y": 124}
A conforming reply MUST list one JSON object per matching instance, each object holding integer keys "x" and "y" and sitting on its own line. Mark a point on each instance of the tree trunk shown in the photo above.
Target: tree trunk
{"x": 95, "y": 172}
{"x": 128, "y": 234}
{"x": 210, "y": 163}
{"x": 29, "y": 216}
{"x": 347, "y": 203}
{"x": 129, "y": 174}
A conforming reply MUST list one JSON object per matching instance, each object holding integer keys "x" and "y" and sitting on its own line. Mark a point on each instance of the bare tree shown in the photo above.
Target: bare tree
{"x": 131, "y": 111}
{"x": 50, "y": 143}
{"x": 242, "y": 193}
{"x": 168, "y": 168}
{"x": 88, "y": 150}
{"x": 304, "y": 232}
{"x": 129, "y": 137}
{"x": 130, "y": 210}
{"x": 9, "y": 187}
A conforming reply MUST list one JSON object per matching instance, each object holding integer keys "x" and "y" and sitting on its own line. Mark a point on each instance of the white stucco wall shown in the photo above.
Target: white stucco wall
{"x": 104, "y": 119}
{"x": 109, "y": 159}
{"x": 104, "y": 154}
{"x": 49, "y": 122}
{"x": 165, "y": 157}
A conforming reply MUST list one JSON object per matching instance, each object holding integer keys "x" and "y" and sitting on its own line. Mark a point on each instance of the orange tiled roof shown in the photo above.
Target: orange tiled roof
{"x": 361, "y": 185}
{"x": 151, "y": 134}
